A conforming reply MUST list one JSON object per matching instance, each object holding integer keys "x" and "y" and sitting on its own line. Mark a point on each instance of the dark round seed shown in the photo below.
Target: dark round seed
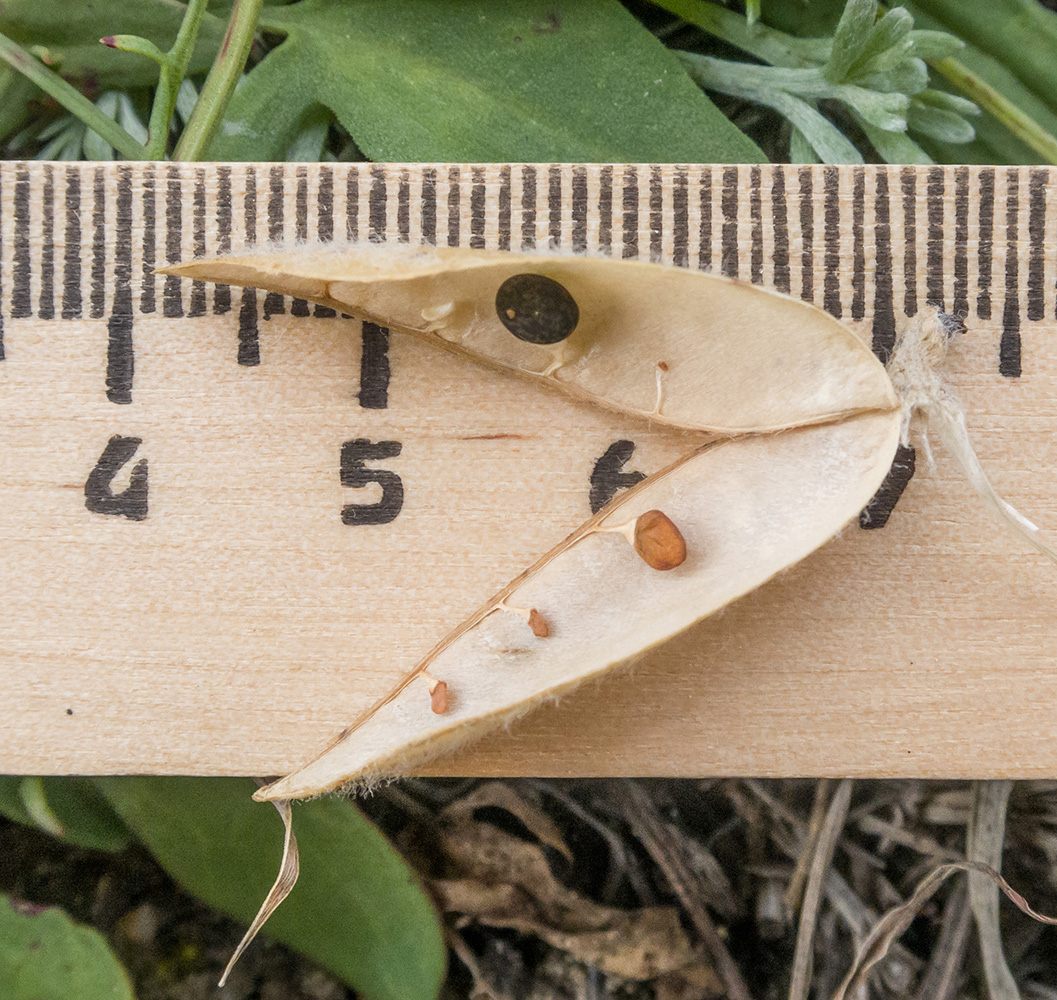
{"x": 536, "y": 309}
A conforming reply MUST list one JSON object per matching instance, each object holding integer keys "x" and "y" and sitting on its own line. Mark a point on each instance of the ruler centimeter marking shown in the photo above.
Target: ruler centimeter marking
{"x": 863, "y": 242}
{"x": 745, "y": 230}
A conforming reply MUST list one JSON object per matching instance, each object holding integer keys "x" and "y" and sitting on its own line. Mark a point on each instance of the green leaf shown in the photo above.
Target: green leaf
{"x": 929, "y": 45}
{"x": 814, "y": 19}
{"x": 11, "y": 804}
{"x": 44, "y": 955}
{"x": 35, "y": 800}
{"x": 766, "y": 44}
{"x": 994, "y": 142}
{"x": 1019, "y": 34}
{"x": 948, "y": 102}
{"x": 70, "y": 33}
{"x": 800, "y": 150}
{"x": 116, "y": 105}
{"x": 783, "y": 90}
{"x": 477, "y": 80}
{"x": 84, "y": 814}
{"x": 818, "y": 131}
{"x": 882, "y": 110}
{"x": 909, "y": 77}
{"x": 939, "y": 124}
{"x": 309, "y": 144}
{"x": 851, "y": 39}
{"x": 895, "y": 147}
{"x": 66, "y": 807}
{"x": 16, "y": 91}
{"x": 890, "y": 30}
{"x": 357, "y": 909}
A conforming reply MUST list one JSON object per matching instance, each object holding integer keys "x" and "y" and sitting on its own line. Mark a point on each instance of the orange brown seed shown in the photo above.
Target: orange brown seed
{"x": 658, "y": 541}
{"x": 538, "y": 624}
{"x": 438, "y": 697}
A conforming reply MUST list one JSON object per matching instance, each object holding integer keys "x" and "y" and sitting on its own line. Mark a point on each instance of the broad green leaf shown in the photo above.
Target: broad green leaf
{"x": 310, "y": 142}
{"x": 477, "y": 80}
{"x": 357, "y": 908}
{"x": 66, "y": 807}
{"x": 69, "y": 32}
{"x": 44, "y": 955}
{"x": 809, "y": 20}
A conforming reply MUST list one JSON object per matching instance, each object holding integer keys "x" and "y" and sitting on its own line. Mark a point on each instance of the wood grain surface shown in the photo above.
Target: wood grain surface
{"x": 179, "y": 589}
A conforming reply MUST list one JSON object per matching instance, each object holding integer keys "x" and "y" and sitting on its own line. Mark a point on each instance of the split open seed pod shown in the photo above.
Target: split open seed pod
{"x": 807, "y": 424}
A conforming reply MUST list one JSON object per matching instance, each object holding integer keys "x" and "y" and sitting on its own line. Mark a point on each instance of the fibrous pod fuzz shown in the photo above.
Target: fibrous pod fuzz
{"x": 808, "y": 422}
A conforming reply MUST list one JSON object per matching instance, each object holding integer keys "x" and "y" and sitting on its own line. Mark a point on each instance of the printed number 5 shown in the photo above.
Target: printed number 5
{"x": 355, "y": 474}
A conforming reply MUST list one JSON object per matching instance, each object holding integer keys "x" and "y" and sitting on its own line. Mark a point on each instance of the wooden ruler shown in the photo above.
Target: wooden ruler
{"x": 230, "y": 521}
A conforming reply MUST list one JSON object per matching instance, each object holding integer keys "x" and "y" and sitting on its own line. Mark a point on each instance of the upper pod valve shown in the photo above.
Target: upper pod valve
{"x": 735, "y": 357}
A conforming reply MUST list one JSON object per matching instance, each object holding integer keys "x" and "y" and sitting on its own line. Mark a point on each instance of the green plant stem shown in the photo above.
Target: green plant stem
{"x": 220, "y": 84}
{"x": 71, "y": 99}
{"x": 173, "y": 70}
{"x": 743, "y": 80}
{"x": 987, "y": 97}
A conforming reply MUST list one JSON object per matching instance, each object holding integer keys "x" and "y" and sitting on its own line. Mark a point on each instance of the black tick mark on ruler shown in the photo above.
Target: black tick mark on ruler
{"x": 884, "y": 322}
{"x": 1009, "y": 347}
{"x": 374, "y": 368}
{"x": 20, "y": 294}
{"x": 249, "y": 338}
{"x": 120, "y": 358}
